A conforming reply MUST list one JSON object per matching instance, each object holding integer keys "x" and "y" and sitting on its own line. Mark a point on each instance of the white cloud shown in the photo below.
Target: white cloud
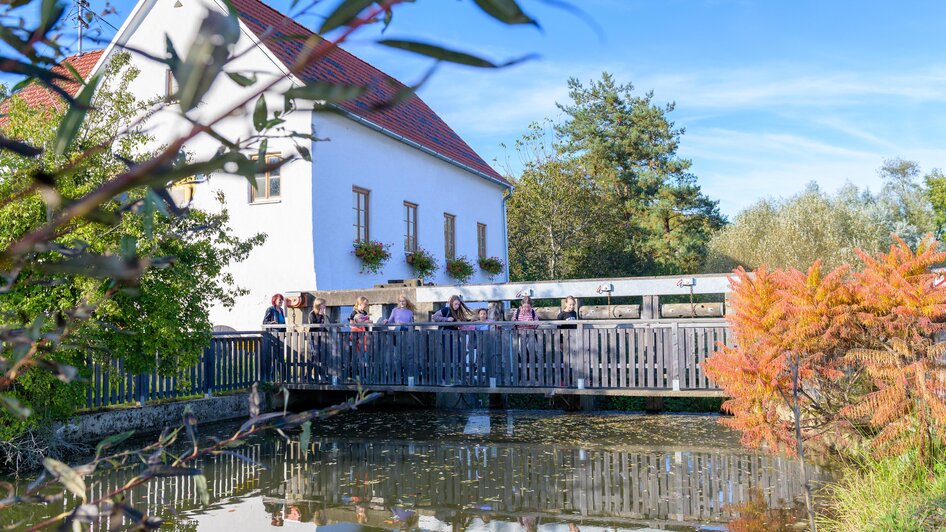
{"x": 751, "y": 132}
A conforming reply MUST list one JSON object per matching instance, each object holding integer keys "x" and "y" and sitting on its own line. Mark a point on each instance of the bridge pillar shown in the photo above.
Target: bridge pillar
{"x": 653, "y": 405}
{"x": 589, "y": 402}
{"x": 498, "y": 401}
{"x": 457, "y": 401}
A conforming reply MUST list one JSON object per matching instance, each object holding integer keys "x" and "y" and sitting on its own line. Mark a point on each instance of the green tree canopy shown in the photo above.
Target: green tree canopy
{"x": 629, "y": 145}
{"x": 813, "y": 225}
{"x": 166, "y": 269}
{"x": 555, "y": 227}
{"x": 640, "y": 209}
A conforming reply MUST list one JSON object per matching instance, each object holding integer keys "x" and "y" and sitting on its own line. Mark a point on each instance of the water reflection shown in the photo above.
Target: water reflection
{"x": 478, "y": 473}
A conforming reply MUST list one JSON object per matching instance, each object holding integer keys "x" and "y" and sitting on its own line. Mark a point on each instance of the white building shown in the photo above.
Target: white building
{"x": 399, "y": 175}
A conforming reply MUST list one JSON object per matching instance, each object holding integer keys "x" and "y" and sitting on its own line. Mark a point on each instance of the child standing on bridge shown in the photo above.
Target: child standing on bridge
{"x": 455, "y": 311}
{"x": 403, "y": 313}
{"x": 317, "y": 316}
{"x": 525, "y": 312}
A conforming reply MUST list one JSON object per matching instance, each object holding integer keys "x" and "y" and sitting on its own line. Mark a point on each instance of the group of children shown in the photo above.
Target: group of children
{"x": 455, "y": 312}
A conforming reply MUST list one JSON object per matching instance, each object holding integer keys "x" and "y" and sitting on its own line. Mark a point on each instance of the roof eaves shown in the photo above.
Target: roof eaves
{"x": 385, "y": 131}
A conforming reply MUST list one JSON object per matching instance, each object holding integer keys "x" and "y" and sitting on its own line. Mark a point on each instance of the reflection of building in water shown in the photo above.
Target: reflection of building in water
{"x": 464, "y": 486}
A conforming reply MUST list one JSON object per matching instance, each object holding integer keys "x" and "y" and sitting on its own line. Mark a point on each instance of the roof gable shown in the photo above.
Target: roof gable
{"x": 411, "y": 119}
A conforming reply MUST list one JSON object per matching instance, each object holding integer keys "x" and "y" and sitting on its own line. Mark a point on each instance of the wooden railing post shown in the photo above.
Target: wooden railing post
{"x": 209, "y": 369}
{"x": 581, "y": 358}
{"x": 675, "y": 356}
{"x": 143, "y": 385}
{"x": 266, "y": 358}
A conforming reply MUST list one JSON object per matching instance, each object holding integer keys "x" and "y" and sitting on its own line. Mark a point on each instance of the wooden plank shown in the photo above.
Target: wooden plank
{"x": 663, "y": 358}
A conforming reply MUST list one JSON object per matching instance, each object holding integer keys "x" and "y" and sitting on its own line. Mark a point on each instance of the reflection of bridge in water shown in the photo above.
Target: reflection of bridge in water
{"x": 566, "y": 483}
{"x": 462, "y": 478}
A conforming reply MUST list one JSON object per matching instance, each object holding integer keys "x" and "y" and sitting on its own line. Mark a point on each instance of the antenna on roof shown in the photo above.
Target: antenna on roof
{"x": 81, "y": 24}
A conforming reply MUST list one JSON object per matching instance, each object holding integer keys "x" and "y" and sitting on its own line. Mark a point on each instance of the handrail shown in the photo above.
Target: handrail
{"x": 695, "y": 322}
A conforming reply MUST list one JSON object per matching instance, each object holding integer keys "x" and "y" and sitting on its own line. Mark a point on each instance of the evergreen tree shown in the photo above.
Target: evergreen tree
{"x": 629, "y": 146}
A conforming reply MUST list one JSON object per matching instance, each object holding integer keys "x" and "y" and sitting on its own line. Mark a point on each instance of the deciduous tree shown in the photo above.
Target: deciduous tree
{"x": 159, "y": 320}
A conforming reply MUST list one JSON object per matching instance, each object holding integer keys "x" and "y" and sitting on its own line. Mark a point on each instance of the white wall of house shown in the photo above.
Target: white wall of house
{"x": 285, "y": 261}
{"x": 393, "y": 172}
{"x": 309, "y": 228}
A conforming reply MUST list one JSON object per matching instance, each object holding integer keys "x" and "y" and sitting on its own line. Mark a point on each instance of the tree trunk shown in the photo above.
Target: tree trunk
{"x": 800, "y": 447}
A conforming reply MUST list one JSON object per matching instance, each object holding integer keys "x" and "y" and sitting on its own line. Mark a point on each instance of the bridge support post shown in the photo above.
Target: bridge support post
{"x": 457, "y": 401}
{"x": 589, "y": 402}
{"x": 498, "y": 401}
{"x": 653, "y": 405}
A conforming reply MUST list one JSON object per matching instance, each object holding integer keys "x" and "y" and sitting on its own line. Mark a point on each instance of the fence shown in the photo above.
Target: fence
{"x": 232, "y": 362}
{"x": 613, "y": 357}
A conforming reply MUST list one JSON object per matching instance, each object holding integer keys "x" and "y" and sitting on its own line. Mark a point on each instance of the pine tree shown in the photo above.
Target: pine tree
{"x": 629, "y": 146}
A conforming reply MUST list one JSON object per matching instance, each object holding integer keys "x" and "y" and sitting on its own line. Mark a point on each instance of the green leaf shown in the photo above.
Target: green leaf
{"x": 506, "y": 11}
{"x": 14, "y": 407}
{"x": 128, "y": 246}
{"x": 261, "y": 153}
{"x": 200, "y": 482}
{"x": 112, "y": 441}
{"x": 304, "y": 153}
{"x": 50, "y": 13}
{"x": 206, "y": 58}
{"x": 344, "y": 13}
{"x": 444, "y": 54}
{"x": 72, "y": 121}
{"x": 241, "y": 80}
{"x": 305, "y": 438}
{"x": 326, "y": 92}
{"x": 260, "y": 113}
{"x": 66, "y": 476}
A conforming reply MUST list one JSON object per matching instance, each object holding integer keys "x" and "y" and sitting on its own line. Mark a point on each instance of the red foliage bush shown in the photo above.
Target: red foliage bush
{"x": 861, "y": 341}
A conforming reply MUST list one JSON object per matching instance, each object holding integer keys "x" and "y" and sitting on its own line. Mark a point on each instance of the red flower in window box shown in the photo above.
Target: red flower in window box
{"x": 491, "y": 266}
{"x": 422, "y": 262}
{"x": 372, "y": 254}
{"x": 460, "y": 269}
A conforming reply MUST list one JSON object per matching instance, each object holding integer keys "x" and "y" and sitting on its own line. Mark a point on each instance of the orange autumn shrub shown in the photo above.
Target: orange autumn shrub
{"x": 840, "y": 328}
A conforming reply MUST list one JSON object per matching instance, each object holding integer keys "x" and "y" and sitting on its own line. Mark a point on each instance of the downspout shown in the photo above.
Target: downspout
{"x": 506, "y": 195}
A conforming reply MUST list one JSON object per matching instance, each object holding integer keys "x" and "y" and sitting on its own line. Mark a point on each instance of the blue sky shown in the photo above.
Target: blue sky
{"x": 773, "y": 94}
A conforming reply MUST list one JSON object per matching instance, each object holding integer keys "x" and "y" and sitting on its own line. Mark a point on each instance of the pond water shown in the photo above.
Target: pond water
{"x": 521, "y": 471}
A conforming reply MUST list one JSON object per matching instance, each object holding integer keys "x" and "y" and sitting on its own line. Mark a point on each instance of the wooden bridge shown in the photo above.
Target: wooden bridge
{"x": 645, "y": 349}
{"x": 617, "y": 357}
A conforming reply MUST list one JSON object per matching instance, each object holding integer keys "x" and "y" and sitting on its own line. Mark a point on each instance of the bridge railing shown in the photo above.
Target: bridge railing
{"x": 232, "y": 362}
{"x": 613, "y": 357}
{"x": 619, "y": 356}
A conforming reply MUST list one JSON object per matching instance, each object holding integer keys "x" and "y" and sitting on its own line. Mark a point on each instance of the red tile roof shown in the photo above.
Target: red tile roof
{"x": 411, "y": 119}
{"x": 39, "y": 96}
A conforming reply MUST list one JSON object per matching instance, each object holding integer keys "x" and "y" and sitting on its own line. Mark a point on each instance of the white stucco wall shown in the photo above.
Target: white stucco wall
{"x": 309, "y": 229}
{"x": 394, "y": 172}
{"x": 285, "y": 261}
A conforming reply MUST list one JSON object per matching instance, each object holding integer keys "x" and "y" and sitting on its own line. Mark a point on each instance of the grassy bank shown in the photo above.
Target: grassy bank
{"x": 889, "y": 494}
